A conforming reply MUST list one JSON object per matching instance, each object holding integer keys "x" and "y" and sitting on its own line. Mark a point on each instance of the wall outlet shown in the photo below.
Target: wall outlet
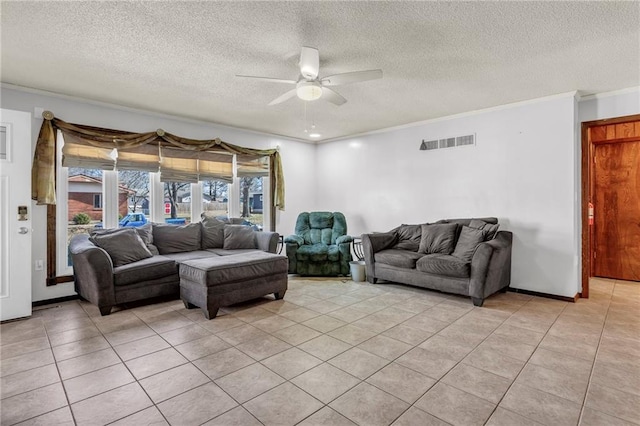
{"x": 39, "y": 265}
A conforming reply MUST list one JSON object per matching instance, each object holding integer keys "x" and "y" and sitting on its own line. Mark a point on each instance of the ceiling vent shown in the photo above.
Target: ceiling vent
{"x": 465, "y": 140}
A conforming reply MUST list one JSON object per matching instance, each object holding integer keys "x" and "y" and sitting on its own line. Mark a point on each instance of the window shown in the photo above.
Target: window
{"x": 251, "y": 200}
{"x": 133, "y": 192}
{"x": 86, "y": 183}
{"x": 215, "y": 198}
{"x": 179, "y": 196}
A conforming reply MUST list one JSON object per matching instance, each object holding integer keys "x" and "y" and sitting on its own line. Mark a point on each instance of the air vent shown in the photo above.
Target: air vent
{"x": 428, "y": 145}
{"x": 447, "y": 143}
{"x": 453, "y": 142}
{"x": 465, "y": 140}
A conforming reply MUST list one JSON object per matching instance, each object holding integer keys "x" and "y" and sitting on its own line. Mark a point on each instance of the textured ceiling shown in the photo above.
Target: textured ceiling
{"x": 438, "y": 58}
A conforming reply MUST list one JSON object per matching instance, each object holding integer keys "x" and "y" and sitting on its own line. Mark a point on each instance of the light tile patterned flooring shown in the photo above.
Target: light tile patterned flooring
{"x": 333, "y": 352}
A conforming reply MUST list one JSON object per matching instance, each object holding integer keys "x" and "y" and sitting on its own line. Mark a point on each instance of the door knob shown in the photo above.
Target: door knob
{"x": 23, "y": 230}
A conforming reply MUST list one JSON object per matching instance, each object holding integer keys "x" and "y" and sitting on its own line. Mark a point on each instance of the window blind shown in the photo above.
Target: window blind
{"x": 78, "y": 152}
{"x": 252, "y": 166}
{"x": 178, "y": 165}
{"x": 215, "y": 166}
{"x": 145, "y": 158}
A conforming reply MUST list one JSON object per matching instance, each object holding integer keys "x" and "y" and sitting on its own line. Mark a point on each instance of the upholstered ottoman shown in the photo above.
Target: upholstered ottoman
{"x": 213, "y": 282}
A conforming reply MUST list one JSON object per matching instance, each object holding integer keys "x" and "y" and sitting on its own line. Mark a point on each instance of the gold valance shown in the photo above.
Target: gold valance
{"x": 43, "y": 172}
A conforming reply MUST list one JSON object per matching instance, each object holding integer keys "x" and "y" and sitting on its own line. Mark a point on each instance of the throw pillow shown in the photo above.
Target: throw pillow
{"x": 144, "y": 231}
{"x": 177, "y": 239}
{"x": 239, "y": 237}
{"x": 212, "y": 232}
{"x": 438, "y": 238}
{"x": 408, "y": 237}
{"x": 124, "y": 246}
{"x": 469, "y": 239}
{"x": 490, "y": 228}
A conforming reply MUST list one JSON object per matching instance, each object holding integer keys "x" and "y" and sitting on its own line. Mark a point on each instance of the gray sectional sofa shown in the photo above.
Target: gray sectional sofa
{"x": 117, "y": 266}
{"x": 462, "y": 256}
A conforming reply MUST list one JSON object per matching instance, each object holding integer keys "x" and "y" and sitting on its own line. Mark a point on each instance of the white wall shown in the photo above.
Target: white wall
{"x": 297, "y": 158}
{"x": 521, "y": 170}
{"x": 609, "y": 105}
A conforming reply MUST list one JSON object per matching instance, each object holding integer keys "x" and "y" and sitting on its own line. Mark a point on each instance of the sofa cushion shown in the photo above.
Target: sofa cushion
{"x": 467, "y": 243}
{"x": 408, "y": 237}
{"x": 490, "y": 228}
{"x": 144, "y": 231}
{"x": 189, "y": 255}
{"x": 223, "y": 270}
{"x": 398, "y": 257}
{"x": 239, "y": 237}
{"x": 318, "y": 253}
{"x": 212, "y": 232}
{"x": 320, "y": 236}
{"x": 144, "y": 270}
{"x": 438, "y": 238}
{"x": 444, "y": 264}
{"x": 176, "y": 239}
{"x": 320, "y": 220}
{"x": 223, "y": 252}
{"x": 123, "y": 245}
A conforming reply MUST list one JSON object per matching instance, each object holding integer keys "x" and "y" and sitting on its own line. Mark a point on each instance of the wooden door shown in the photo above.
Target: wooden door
{"x": 616, "y": 200}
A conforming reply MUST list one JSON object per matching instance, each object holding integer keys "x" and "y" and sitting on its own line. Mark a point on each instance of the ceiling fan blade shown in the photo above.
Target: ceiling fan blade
{"x": 351, "y": 77}
{"x": 332, "y": 96}
{"x": 309, "y": 62}
{"x": 287, "y": 95}
{"x": 272, "y": 80}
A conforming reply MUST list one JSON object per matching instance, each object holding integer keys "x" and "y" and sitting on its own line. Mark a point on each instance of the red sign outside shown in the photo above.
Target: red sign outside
{"x": 167, "y": 208}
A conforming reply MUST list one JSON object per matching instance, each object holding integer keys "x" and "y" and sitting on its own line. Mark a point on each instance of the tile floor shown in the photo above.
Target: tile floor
{"x": 334, "y": 352}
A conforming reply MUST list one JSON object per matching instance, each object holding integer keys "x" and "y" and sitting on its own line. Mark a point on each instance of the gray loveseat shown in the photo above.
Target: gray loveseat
{"x": 462, "y": 256}
{"x": 117, "y": 266}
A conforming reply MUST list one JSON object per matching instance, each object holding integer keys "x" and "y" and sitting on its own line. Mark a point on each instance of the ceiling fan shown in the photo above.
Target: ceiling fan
{"x": 310, "y": 86}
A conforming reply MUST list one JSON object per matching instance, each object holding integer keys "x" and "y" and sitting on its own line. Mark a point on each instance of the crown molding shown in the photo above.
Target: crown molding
{"x": 628, "y": 90}
{"x": 143, "y": 112}
{"x": 573, "y": 94}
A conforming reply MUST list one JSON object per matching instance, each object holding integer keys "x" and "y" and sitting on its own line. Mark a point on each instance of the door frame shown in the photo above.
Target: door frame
{"x": 588, "y": 184}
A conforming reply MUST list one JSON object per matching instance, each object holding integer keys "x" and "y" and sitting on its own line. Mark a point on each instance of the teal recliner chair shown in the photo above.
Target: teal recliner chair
{"x": 320, "y": 246}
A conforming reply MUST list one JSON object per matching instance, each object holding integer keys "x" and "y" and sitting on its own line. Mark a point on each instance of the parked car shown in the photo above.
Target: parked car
{"x": 138, "y": 219}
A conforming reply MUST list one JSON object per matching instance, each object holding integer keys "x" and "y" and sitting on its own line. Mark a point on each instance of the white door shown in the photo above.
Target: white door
{"x": 15, "y": 214}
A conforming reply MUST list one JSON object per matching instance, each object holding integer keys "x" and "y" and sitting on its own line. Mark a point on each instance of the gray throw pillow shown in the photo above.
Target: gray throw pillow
{"x": 212, "y": 232}
{"x": 438, "y": 238}
{"x": 239, "y": 237}
{"x": 408, "y": 237}
{"x": 491, "y": 229}
{"x": 144, "y": 231}
{"x": 124, "y": 246}
{"x": 177, "y": 239}
{"x": 469, "y": 239}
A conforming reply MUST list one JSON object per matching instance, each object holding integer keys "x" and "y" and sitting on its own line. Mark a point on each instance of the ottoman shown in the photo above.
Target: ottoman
{"x": 213, "y": 282}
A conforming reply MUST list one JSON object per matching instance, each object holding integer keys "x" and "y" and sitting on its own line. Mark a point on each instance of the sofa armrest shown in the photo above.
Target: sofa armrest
{"x": 371, "y": 244}
{"x": 344, "y": 239}
{"x": 294, "y": 239}
{"x": 345, "y": 257}
{"x": 93, "y": 272}
{"x": 267, "y": 241}
{"x": 491, "y": 266}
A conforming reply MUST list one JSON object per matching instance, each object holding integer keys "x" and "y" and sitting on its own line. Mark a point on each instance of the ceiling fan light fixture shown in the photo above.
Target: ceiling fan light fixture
{"x": 309, "y": 90}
